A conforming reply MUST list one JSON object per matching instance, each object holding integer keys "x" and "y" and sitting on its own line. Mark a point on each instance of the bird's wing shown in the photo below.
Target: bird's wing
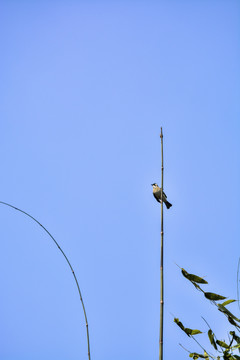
{"x": 164, "y": 194}
{"x": 157, "y": 198}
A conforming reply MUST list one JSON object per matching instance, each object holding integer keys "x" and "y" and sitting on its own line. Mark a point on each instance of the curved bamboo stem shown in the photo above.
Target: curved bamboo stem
{"x": 75, "y": 278}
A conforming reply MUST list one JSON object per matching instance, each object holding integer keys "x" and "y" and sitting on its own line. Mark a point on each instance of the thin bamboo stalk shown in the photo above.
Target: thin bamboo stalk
{"x": 75, "y": 278}
{"x": 161, "y": 264}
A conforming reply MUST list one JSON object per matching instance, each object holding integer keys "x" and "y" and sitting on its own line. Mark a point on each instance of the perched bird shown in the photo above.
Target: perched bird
{"x": 157, "y": 192}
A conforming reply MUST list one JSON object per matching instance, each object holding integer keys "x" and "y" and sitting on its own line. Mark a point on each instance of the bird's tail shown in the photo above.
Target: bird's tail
{"x": 168, "y": 204}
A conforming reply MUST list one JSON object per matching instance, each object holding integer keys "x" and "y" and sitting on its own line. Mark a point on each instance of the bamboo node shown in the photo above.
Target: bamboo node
{"x": 161, "y": 302}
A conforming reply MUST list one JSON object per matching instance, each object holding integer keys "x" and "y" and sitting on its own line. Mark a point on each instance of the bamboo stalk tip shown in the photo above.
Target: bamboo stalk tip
{"x": 161, "y": 134}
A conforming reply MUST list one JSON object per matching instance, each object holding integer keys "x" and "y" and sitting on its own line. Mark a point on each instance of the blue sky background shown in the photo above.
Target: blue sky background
{"x": 85, "y": 87}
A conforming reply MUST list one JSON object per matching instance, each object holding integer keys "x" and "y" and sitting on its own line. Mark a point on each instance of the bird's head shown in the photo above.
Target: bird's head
{"x": 154, "y": 185}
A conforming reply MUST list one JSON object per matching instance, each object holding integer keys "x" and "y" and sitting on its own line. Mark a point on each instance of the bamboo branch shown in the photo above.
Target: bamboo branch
{"x": 238, "y": 283}
{"x": 75, "y": 278}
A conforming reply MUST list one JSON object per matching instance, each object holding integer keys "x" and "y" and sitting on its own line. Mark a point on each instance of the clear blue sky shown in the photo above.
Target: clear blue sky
{"x": 85, "y": 87}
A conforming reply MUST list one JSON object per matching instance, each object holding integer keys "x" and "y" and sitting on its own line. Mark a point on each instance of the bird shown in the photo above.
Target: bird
{"x": 157, "y": 193}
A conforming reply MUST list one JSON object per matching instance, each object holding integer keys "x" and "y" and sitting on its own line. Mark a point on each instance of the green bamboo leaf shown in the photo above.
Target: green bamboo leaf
{"x": 227, "y": 302}
{"x": 227, "y": 356}
{"x": 187, "y": 331}
{"x": 232, "y": 322}
{"x": 226, "y": 311}
{"x": 192, "y": 277}
{"x": 211, "y": 338}
{"x": 206, "y": 355}
{"x": 196, "y": 356}
{"x": 237, "y": 357}
{"x": 231, "y": 342}
{"x": 212, "y": 296}
{"x": 222, "y": 344}
{"x": 176, "y": 320}
{"x": 235, "y": 337}
{"x": 195, "y": 332}
{"x": 192, "y": 332}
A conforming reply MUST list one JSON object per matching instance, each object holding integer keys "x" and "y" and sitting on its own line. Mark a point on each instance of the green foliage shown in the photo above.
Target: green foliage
{"x": 227, "y": 312}
{"x": 211, "y": 338}
{"x": 212, "y": 296}
{"x": 226, "y": 350}
{"x": 187, "y": 331}
{"x": 227, "y": 302}
{"x": 194, "y": 278}
{"x": 196, "y": 356}
{"x": 235, "y": 337}
{"x": 222, "y": 344}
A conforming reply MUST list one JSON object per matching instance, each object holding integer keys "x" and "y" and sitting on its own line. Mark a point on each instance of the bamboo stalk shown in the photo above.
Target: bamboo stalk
{"x": 161, "y": 264}
{"x": 75, "y": 278}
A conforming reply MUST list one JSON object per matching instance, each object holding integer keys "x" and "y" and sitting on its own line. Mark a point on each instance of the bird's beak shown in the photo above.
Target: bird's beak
{"x": 151, "y": 184}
